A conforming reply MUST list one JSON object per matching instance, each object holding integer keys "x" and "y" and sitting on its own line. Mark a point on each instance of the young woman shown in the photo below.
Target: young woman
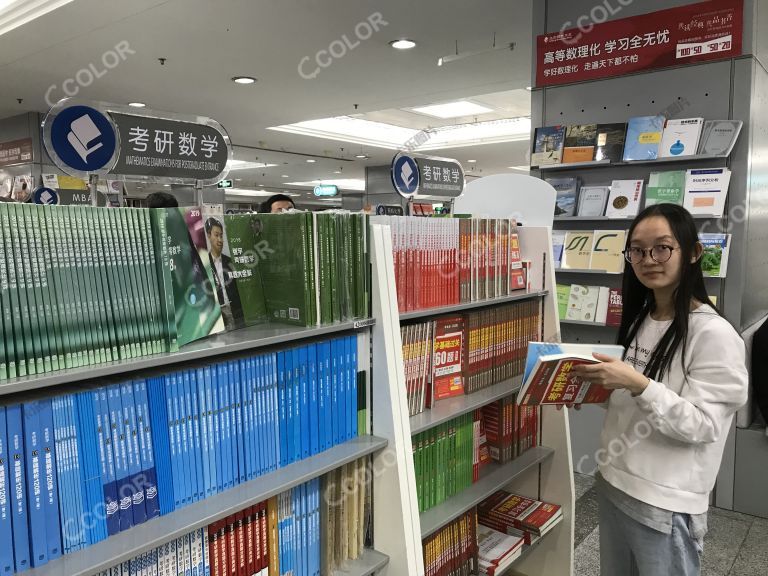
{"x": 682, "y": 378}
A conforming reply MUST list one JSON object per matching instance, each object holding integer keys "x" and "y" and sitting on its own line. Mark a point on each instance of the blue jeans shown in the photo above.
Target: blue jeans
{"x": 628, "y": 548}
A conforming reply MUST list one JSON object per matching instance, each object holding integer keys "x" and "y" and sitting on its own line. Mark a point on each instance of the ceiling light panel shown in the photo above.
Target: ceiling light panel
{"x": 453, "y": 109}
{"x": 355, "y": 130}
{"x": 246, "y": 165}
{"x": 15, "y": 13}
{"x": 357, "y": 184}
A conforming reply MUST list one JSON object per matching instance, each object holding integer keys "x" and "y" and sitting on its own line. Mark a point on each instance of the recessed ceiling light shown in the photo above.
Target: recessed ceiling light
{"x": 285, "y": 176}
{"x": 243, "y": 79}
{"x": 166, "y": 185}
{"x": 137, "y": 104}
{"x": 337, "y": 172}
{"x": 238, "y": 179}
{"x": 529, "y": 88}
{"x": 361, "y": 156}
{"x": 471, "y": 161}
{"x": 403, "y": 44}
{"x": 453, "y": 109}
{"x": 311, "y": 161}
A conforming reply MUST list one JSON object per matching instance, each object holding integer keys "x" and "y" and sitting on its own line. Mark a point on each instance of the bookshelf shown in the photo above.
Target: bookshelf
{"x": 370, "y": 563}
{"x": 609, "y": 164}
{"x": 432, "y": 312}
{"x": 544, "y": 472}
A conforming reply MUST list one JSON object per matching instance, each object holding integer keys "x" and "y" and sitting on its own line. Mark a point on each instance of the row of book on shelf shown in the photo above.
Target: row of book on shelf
{"x": 700, "y": 191}
{"x": 83, "y": 285}
{"x": 461, "y": 354}
{"x": 451, "y": 457}
{"x": 598, "y": 304}
{"x": 310, "y": 530}
{"x": 602, "y": 250}
{"x": 146, "y": 447}
{"x": 439, "y": 262}
{"x": 489, "y": 539}
{"x": 642, "y": 138}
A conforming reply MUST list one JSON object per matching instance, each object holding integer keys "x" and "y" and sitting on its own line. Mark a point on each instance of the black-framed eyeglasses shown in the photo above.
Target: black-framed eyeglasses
{"x": 660, "y": 253}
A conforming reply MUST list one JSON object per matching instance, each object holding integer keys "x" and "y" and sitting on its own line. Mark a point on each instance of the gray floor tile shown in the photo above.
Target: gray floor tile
{"x": 586, "y": 517}
{"x": 583, "y": 484}
{"x": 731, "y": 514}
{"x": 722, "y": 543}
{"x": 753, "y": 556}
{"x": 587, "y": 557}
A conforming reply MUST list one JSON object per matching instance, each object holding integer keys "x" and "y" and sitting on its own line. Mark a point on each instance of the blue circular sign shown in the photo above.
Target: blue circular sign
{"x": 45, "y": 195}
{"x": 405, "y": 175}
{"x": 83, "y": 138}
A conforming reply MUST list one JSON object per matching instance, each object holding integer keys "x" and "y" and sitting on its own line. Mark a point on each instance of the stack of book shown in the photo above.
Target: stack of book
{"x": 439, "y": 262}
{"x": 238, "y": 544}
{"x": 462, "y": 354}
{"x": 143, "y": 448}
{"x": 514, "y": 514}
{"x": 453, "y": 549}
{"x": 598, "y": 304}
{"x": 510, "y": 429}
{"x": 497, "y": 551}
{"x": 642, "y": 138}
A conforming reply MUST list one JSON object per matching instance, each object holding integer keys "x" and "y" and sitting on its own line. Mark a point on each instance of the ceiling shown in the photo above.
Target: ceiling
{"x": 207, "y": 42}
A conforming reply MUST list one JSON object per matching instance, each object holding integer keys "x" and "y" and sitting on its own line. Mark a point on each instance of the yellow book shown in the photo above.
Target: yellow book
{"x": 577, "y": 249}
{"x": 607, "y": 246}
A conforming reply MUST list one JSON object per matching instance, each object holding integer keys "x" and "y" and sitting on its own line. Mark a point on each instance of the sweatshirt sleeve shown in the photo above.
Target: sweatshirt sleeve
{"x": 716, "y": 387}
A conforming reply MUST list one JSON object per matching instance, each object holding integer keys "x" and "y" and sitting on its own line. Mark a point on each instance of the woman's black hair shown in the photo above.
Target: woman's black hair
{"x": 638, "y": 301}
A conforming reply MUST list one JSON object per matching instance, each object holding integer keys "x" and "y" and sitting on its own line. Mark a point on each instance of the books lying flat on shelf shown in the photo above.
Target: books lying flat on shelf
{"x": 580, "y": 141}
{"x": 681, "y": 137}
{"x": 706, "y": 191}
{"x": 665, "y": 188}
{"x": 607, "y": 246}
{"x": 624, "y": 200}
{"x": 719, "y": 137}
{"x": 548, "y": 144}
{"x": 577, "y": 250}
{"x": 643, "y": 138}
{"x": 610, "y": 142}
{"x": 496, "y": 550}
{"x": 592, "y": 200}
{"x": 567, "y": 190}
{"x": 714, "y": 259}
{"x": 505, "y": 510}
{"x": 547, "y": 378}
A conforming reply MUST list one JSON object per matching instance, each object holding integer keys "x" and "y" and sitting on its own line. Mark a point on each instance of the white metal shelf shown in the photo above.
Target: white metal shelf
{"x": 493, "y": 478}
{"x": 369, "y": 563}
{"x": 608, "y": 163}
{"x": 623, "y": 219}
{"x": 527, "y": 549}
{"x": 453, "y": 308}
{"x": 148, "y": 536}
{"x": 243, "y": 340}
{"x": 445, "y": 410}
{"x": 585, "y": 271}
{"x": 582, "y": 322}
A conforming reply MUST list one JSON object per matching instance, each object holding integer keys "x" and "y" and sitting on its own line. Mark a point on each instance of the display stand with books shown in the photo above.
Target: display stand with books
{"x": 544, "y": 472}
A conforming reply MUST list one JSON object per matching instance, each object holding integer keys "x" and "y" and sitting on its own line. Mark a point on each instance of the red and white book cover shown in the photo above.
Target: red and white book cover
{"x": 521, "y": 512}
{"x": 447, "y": 365}
{"x": 615, "y": 306}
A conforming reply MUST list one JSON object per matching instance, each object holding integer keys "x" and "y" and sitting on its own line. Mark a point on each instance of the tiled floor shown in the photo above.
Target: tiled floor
{"x": 736, "y": 545}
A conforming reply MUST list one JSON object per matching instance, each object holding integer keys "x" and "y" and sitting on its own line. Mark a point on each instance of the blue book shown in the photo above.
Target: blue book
{"x": 148, "y": 474}
{"x": 196, "y": 426}
{"x": 193, "y": 431}
{"x": 282, "y": 410}
{"x": 161, "y": 441}
{"x": 297, "y": 412}
{"x": 245, "y": 395}
{"x": 353, "y": 373}
{"x": 18, "y": 487}
{"x": 235, "y": 392}
{"x": 217, "y": 421}
{"x": 202, "y": 410}
{"x": 88, "y": 448}
{"x": 290, "y": 409}
{"x": 306, "y": 438}
{"x": 33, "y": 457}
{"x": 330, "y": 407}
{"x": 120, "y": 448}
{"x": 210, "y": 419}
{"x": 336, "y": 392}
{"x": 348, "y": 404}
{"x": 314, "y": 415}
{"x": 254, "y": 415}
{"x": 643, "y": 138}
{"x": 226, "y": 428}
{"x": 270, "y": 373}
{"x": 51, "y": 504}
{"x": 322, "y": 403}
{"x": 106, "y": 461}
{"x": 6, "y": 530}
{"x": 265, "y": 430}
{"x": 70, "y": 501}
{"x": 175, "y": 389}
{"x": 138, "y": 496}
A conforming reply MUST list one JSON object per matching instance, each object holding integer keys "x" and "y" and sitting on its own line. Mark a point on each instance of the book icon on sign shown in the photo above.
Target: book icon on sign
{"x": 82, "y": 132}
{"x": 407, "y": 174}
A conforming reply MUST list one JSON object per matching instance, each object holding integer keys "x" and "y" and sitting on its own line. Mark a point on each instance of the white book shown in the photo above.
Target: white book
{"x": 576, "y": 299}
{"x": 51, "y": 181}
{"x": 714, "y": 259}
{"x": 592, "y": 200}
{"x": 706, "y": 191}
{"x": 558, "y": 241}
{"x": 719, "y": 137}
{"x": 601, "y": 314}
{"x": 681, "y": 137}
{"x": 624, "y": 200}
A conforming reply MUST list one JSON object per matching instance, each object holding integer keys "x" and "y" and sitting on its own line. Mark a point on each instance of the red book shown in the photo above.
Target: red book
{"x": 447, "y": 366}
{"x": 524, "y": 513}
{"x": 613, "y": 318}
{"x": 223, "y": 548}
{"x": 239, "y": 528}
{"x": 250, "y": 552}
{"x": 550, "y": 382}
{"x": 213, "y": 548}
{"x": 232, "y": 546}
{"x": 264, "y": 535}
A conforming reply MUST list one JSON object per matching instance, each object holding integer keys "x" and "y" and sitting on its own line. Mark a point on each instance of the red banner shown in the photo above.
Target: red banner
{"x": 688, "y": 34}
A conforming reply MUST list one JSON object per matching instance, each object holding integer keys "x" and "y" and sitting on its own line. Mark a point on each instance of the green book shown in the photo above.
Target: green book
{"x": 160, "y": 241}
{"x": 14, "y": 295}
{"x": 122, "y": 265}
{"x": 563, "y": 293}
{"x": 81, "y": 286}
{"x": 153, "y": 287}
{"x": 321, "y": 261}
{"x": 26, "y": 297}
{"x": 39, "y": 285}
{"x": 65, "y": 294}
{"x": 9, "y": 337}
{"x": 106, "y": 308}
{"x": 309, "y": 273}
{"x": 135, "y": 294}
{"x": 665, "y": 188}
{"x": 98, "y": 306}
{"x": 138, "y": 284}
{"x": 45, "y": 265}
{"x": 197, "y": 313}
{"x": 241, "y": 263}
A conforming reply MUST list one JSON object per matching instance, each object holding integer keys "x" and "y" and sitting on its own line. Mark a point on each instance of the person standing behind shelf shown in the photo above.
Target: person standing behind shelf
{"x": 162, "y": 200}
{"x": 682, "y": 379}
{"x": 276, "y": 204}
{"x": 221, "y": 265}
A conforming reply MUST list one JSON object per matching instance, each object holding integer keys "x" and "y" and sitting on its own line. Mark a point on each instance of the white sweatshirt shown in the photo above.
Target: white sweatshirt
{"x": 664, "y": 446}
